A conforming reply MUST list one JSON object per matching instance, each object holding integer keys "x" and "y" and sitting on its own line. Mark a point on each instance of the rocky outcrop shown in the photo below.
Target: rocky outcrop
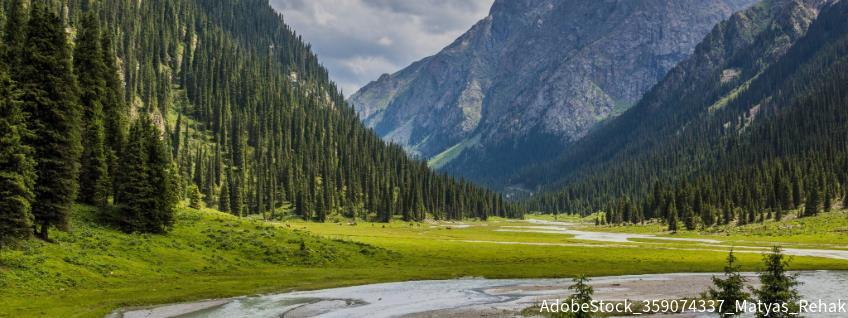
{"x": 532, "y": 77}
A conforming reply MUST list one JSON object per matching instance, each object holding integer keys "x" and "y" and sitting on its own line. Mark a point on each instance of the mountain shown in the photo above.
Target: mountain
{"x": 750, "y": 127}
{"x": 532, "y": 77}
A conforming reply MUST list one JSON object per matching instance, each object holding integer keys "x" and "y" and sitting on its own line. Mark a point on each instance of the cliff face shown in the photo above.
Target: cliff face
{"x": 532, "y": 77}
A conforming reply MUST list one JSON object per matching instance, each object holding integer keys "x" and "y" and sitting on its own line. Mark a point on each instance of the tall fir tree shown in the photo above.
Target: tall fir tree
{"x": 114, "y": 108}
{"x": 146, "y": 196}
{"x": 730, "y": 289}
{"x": 17, "y": 167}
{"x": 88, "y": 63}
{"x": 49, "y": 95}
{"x": 811, "y": 204}
{"x": 224, "y": 195}
{"x": 134, "y": 193}
{"x": 777, "y": 286}
{"x": 15, "y": 34}
{"x": 672, "y": 217}
{"x": 582, "y": 296}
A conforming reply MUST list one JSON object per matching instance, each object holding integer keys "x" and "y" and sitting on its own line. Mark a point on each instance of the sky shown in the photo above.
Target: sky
{"x": 359, "y": 40}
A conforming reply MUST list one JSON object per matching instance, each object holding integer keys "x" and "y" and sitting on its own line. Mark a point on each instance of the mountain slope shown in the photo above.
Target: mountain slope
{"x": 750, "y": 127}
{"x": 254, "y": 124}
{"x": 532, "y": 77}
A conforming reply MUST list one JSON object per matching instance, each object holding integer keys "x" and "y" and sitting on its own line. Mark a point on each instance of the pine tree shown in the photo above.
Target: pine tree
{"x": 163, "y": 180}
{"x": 146, "y": 195}
{"x": 114, "y": 108}
{"x": 224, "y": 195}
{"x": 811, "y": 205}
{"x": 731, "y": 289}
{"x": 194, "y": 197}
{"x": 15, "y": 35}
{"x": 50, "y": 99}
{"x": 827, "y": 204}
{"x": 689, "y": 219}
{"x": 17, "y": 173}
{"x": 672, "y": 217}
{"x": 94, "y": 179}
{"x": 582, "y": 295}
{"x": 237, "y": 201}
{"x": 777, "y": 287}
{"x": 134, "y": 194}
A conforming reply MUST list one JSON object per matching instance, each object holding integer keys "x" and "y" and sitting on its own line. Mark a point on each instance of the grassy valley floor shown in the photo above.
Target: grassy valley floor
{"x": 92, "y": 270}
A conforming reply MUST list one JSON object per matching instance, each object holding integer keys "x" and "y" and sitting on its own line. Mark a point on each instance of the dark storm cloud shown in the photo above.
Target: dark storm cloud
{"x": 358, "y": 40}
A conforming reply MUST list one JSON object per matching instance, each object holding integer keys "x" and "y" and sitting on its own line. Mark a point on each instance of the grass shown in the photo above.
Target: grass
{"x": 445, "y": 157}
{"x": 826, "y": 230}
{"x": 92, "y": 270}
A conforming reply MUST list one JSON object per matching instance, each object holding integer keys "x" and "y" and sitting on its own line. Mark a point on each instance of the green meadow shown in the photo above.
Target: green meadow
{"x": 91, "y": 270}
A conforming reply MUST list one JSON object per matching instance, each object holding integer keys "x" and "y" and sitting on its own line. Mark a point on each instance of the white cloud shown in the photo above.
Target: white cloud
{"x": 358, "y": 40}
{"x": 385, "y": 41}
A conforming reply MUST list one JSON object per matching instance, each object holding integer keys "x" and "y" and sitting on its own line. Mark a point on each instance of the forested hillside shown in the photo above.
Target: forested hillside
{"x": 751, "y": 127}
{"x": 138, "y": 104}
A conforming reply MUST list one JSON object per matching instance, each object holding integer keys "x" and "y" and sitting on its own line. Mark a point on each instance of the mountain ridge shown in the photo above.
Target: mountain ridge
{"x": 532, "y": 77}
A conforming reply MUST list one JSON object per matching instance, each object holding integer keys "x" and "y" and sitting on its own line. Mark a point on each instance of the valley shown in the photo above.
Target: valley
{"x": 195, "y": 158}
{"x": 93, "y": 270}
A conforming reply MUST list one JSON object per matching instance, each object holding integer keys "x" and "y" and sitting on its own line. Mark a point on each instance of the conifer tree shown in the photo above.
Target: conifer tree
{"x": 811, "y": 205}
{"x": 145, "y": 195}
{"x": 17, "y": 173}
{"x": 827, "y": 204}
{"x": 194, "y": 197}
{"x": 582, "y": 295}
{"x": 224, "y": 195}
{"x": 731, "y": 289}
{"x": 163, "y": 179}
{"x": 672, "y": 217}
{"x": 134, "y": 195}
{"x": 88, "y": 63}
{"x": 777, "y": 287}
{"x": 237, "y": 200}
{"x": 50, "y": 99}
{"x": 114, "y": 108}
{"x": 689, "y": 218}
{"x": 15, "y": 35}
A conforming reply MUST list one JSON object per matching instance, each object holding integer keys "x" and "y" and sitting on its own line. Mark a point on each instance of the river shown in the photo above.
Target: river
{"x": 472, "y": 297}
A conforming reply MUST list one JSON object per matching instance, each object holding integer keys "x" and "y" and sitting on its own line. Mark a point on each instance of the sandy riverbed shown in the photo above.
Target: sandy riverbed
{"x": 467, "y": 297}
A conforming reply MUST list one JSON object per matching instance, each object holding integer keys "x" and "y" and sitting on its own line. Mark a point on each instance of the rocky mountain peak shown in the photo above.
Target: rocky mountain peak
{"x": 532, "y": 77}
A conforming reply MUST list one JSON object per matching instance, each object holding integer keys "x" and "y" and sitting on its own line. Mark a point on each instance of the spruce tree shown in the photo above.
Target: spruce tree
{"x": 194, "y": 197}
{"x": 672, "y": 217}
{"x": 811, "y": 205}
{"x": 163, "y": 179}
{"x": 224, "y": 195}
{"x": 15, "y": 35}
{"x": 135, "y": 195}
{"x": 146, "y": 196}
{"x": 777, "y": 287}
{"x": 827, "y": 204}
{"x": 88, "y": 63}
{"x": 114, "y": 108}
{"x": 17, "y": 173}
{"x": 582, "y": 295}
{"x": 49, "y": 94}
{"x": 731, "y": 289}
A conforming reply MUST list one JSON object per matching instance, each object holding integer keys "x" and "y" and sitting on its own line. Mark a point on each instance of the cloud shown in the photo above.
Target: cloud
{"x": 358, "y": 40}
